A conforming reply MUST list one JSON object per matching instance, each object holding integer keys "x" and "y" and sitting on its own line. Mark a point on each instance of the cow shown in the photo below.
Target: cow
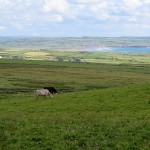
{"x": 51, "y": 89}
{"x": 43, "y": 92}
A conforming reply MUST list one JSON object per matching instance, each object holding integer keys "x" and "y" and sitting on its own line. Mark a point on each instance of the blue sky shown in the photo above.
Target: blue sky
{"x": 72, "y": 18}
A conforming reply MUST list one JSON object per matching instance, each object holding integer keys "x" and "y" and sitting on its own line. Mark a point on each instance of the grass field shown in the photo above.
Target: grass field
{"x": 109, "y": 108}
{"x": 95, "y": 57}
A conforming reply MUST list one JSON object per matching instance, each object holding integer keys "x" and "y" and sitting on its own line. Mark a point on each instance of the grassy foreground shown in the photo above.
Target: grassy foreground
{"x": 110, "y": 109}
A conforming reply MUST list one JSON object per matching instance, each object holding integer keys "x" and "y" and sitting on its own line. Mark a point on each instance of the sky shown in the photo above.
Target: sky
{"x": 74, "y": 18}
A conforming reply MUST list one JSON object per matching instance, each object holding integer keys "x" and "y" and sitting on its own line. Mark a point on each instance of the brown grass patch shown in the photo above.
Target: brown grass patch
{"x": 36, "y": 54}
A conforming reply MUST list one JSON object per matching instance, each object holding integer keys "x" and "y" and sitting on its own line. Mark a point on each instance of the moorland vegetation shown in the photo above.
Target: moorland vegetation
{"x": 99, "y": 105}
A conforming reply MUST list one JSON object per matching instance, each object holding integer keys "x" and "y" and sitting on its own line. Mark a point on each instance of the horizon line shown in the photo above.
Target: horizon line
{"x": 29, "y": 36}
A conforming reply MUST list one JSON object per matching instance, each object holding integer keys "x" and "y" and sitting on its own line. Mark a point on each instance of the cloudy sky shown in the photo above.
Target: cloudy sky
{"x": 65, "y": 18}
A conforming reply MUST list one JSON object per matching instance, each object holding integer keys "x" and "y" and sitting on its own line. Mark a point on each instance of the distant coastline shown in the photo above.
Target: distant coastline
{"x": 134, "y": 49}
{"x": 90, "y": 44}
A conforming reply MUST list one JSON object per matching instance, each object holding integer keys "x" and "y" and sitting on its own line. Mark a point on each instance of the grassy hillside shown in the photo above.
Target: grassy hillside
{"x": 109, "y": 109}
{"x": 115, "y": 118}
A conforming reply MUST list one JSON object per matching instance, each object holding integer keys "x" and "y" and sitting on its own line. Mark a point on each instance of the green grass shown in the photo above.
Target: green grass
{"x": 115, "y": 118}
{"x": 109, "y": 110}
{"x": 118, "y": 58}
{"x": 64, "y": 75}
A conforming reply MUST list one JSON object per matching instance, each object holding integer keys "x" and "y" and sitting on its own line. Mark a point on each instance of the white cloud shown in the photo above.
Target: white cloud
{"x": 23, "y": 14}
{"x": 56, "y": 6}
{"x": 132, "y": 3}
{"x": 132, "y": 19}
{"x": 146, "y": 1}
{"x": 132, "y": 7}
{"x": 101, "y": 6}
{"x": 88, "y": 1}
{"x": 57, "y": 18}
{"x": 2, "y": 28}
{"x": 87, "y": 10}
{"x": 5, "y": 3}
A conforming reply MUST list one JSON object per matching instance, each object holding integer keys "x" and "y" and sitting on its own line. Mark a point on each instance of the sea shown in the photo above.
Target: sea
{"x": 123, "y": 49}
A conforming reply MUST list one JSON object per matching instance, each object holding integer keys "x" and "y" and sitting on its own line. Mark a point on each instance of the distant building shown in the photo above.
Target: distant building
{"x": 59, "y": 58}
{"x": 52, "y": 59}
{"x": 17, "y": 57}
{"x": 75, "y": 59}
{"x": 28, "y": 57}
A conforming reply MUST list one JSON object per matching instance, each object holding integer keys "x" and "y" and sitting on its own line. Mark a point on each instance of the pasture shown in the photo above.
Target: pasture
{"x": 99, "y": 106}
{"x": 68, "y": 55}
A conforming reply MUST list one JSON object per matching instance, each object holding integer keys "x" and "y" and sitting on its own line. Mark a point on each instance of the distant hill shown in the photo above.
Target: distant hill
{"x": 79, "y": 43}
